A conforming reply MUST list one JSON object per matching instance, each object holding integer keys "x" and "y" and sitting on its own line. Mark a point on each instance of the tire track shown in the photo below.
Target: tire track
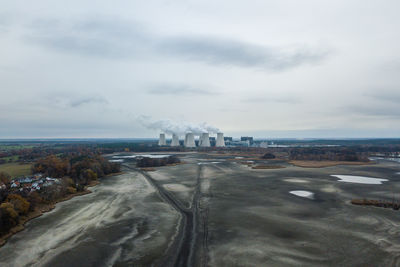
{"x": 182, "y": 252}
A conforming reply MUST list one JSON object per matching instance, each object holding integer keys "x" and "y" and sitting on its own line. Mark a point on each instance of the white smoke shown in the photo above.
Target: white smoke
{"x": 179, "y": 128}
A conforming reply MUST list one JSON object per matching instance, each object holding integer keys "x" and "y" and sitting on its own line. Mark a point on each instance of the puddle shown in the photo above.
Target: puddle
{"x": 116, "y": 160}
{"x": 359, "y": 179}
{"x": 296, "y": 180}
{"x": 303, "y": 193}
{"x": 143, "y": 155}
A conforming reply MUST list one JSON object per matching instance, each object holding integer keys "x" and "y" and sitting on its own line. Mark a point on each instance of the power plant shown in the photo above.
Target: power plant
{"x": 220, "y": 140}
{"x": 162, "y": 141}
{"x": 175, "y": 140}
{"x": 189, "y": 141}
{"x": 204, "y": 140}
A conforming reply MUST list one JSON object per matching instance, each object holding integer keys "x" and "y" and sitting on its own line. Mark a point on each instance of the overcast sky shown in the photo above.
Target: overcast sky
{"x": 257, "y": 67}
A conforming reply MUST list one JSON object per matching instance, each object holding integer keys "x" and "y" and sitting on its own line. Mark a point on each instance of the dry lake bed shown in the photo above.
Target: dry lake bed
{"x": 215, "y": 211}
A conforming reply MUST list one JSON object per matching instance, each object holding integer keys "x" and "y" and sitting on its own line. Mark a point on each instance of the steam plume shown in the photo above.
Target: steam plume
{"x": 179, "y": 128}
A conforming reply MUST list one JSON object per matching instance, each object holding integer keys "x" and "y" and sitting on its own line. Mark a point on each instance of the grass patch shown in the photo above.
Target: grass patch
{"x": 325, "y": 163}
{"x": 11, "y": 158}
{"x": 16, "y": 169}
{"x": 6, "y": 147}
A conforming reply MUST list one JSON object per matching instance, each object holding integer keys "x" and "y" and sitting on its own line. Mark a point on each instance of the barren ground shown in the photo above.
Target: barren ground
{"x": 237, "y": 216}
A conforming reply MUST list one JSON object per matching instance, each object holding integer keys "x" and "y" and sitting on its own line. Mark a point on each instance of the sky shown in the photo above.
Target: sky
{"x": 270, "y": 69}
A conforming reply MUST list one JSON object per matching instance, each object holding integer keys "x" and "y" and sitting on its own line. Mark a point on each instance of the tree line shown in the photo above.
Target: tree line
{"x": 156, "y": 162}
{"x": 326, "y": 153}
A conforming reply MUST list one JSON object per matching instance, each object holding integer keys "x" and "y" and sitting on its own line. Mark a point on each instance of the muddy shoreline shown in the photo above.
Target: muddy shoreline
{"x": 43, "y": 208}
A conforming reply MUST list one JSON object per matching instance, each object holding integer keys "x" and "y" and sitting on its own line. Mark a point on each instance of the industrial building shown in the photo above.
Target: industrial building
{"x": 220, "y": 140}
{"x": 247, "y": 138}
{"x": 204, "y": 140}
{"x": 189, "y": 140}
{"x": 175, "y": 140}
{"x": 162, "y": 141}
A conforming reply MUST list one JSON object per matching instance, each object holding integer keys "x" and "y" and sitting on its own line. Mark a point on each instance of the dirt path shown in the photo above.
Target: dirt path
{"x": 182, "y": 252}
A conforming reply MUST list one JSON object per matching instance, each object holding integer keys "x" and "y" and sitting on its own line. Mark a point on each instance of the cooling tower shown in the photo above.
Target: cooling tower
{"x": 189, "y": 140}
{"x": 175, "y": 140}
{"x": 204, "y": 140}
{"x": 220, "y": 140}
{"x": 162, "y": 141}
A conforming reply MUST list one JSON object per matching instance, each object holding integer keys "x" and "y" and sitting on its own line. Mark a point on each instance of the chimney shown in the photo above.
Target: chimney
{"x": 161, "y": 141}
{"x": 204, "y": 140}
{"x": 189, "y": 140}
{"x": 175, "y": 140}
{"x": 220, "y": 140}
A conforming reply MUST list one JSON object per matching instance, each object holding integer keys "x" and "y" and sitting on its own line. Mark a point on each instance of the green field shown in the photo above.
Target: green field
{"x": 15, "y": 169}
{"x": 7, "y": 147}
{"x": 10, "y": 158}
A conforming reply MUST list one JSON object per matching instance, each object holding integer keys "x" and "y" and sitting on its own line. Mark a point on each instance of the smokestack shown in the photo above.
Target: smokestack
{"x": 189, "y": 140}
{"x": 175, "y": 140}
{"x": 161, "y": 141}
{"x": 204, "y": 140}
{"x": 220, "y": 140}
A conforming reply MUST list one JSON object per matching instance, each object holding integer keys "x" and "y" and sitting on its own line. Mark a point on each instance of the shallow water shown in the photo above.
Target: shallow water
{"x": 152, "y": 156}
{"x": 359, "y": 179}
{"x": 116, "y": 160}
{"x": 303, "y": 193}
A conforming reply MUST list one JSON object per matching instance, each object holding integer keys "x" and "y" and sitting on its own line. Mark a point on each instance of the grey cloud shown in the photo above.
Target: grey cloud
{"x": 115, "y": 39}
{"x": 287, "y": 100}
{"x": 5, "y": 19}
{"x": 94, "y": 37}
{"x": 386, "y": 95}
{"x": 231, "y": 52}
{"x": 230, "y": 110}
{"x": 87, "y": 100}
{"x": 179, "y": 90}
{"x": 387, "y": 111}
{"x": 390, "y": 66}
{"x": 72, "y": 101}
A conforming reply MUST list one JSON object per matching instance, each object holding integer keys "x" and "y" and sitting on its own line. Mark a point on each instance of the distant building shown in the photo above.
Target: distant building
{"x": 212, "y": 141}
{"x": 238, "y": 144}
{"x": 264, "y": 144}
{"x": 25, "y": 180}
{"x": 247, "y": 138}
{"x": 228, "y": 139}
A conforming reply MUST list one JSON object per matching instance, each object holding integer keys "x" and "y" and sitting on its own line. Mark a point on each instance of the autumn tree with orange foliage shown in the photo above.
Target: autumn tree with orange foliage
{"x": 8, "y": 217}
{"x": 21, "y": 205}
{"x": 52, "y": 166}
{"x": 4, "y": 177}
